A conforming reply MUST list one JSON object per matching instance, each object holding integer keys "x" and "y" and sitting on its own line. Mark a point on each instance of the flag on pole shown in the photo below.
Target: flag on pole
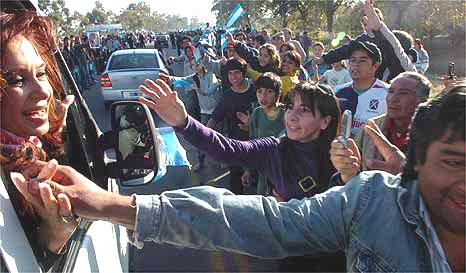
{"x": 238, "y": 11}
{"x": 223, "y": 36}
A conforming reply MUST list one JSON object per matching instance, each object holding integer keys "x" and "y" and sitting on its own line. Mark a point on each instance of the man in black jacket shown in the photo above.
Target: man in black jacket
{"x": 394, "y": 46}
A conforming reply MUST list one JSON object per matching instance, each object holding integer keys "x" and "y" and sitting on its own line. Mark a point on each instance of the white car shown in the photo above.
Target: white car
{"x": 126, "y": 70}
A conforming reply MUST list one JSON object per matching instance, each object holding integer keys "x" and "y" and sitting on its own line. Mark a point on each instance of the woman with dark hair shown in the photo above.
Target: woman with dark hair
{"x": 298, "y": 165}
{"x": 32, "y": 117}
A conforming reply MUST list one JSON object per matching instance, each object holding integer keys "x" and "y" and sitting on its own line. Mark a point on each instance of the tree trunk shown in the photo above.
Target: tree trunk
{"x": 330, "y": 12}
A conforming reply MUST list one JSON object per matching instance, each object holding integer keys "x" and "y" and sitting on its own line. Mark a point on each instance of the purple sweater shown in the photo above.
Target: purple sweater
{"x": 267, "y": 155}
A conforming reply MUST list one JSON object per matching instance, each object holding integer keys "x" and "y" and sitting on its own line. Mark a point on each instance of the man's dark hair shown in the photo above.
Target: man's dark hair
{"x": 260, "y": 39}
{"x": 269, "y": 80}
{"x": 236, "y": 64}
{"x": 440, "y": 117}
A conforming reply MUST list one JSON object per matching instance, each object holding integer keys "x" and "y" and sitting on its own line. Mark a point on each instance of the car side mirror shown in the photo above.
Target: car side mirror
{"x": 135, "y": 143}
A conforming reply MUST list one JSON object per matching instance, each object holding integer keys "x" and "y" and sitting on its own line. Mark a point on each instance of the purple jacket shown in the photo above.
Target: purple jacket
{"x": 307, "y": 170}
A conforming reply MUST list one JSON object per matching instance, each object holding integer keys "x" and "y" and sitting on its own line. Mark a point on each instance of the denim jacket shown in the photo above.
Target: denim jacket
{"x": 374, "y": 218}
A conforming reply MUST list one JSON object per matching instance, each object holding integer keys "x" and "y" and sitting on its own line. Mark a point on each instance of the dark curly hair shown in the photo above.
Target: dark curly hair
{"x": 441, "y": 116}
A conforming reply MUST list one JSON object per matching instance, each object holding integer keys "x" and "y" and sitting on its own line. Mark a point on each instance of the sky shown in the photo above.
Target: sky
{"x": 187, "y": 8}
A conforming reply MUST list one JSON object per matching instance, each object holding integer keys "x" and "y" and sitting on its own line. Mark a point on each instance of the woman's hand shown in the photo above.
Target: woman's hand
{"x": 163, "y": 76}
{"x": 87, "y": 199}
{"x": 346, "y": 160}
{"x": 57, "y": 218}
{"x": 61, "y": 108}
{"x": 164, "y": 102}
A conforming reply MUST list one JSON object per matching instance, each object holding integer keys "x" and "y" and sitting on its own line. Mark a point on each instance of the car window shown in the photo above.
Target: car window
{"x": 132, "y": 61}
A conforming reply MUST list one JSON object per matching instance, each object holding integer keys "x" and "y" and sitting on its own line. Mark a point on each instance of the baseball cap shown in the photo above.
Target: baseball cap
{"x": 370, "y": 48}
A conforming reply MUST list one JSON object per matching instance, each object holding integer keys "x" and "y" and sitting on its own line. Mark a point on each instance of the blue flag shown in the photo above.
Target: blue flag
{"x": 224, "y": 39}
{"x": 171, "y": 151}
{"x": 235, "y": 15}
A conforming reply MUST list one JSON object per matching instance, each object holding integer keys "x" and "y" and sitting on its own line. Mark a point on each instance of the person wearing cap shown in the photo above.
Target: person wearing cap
{"x": 365, "y": 95}
{"x": 395, "y": 46}
{"x": 406, "y": 92}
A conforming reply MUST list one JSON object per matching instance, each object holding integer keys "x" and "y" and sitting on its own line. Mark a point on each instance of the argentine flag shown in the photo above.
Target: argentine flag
{"x": 238, "y": 11}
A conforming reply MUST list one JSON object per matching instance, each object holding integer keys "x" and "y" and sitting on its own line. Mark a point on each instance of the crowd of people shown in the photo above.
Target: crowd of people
{"x": 389, "y": 198}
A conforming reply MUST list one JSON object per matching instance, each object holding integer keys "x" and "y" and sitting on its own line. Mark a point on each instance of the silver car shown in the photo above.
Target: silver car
{"x": 126, "y": 70}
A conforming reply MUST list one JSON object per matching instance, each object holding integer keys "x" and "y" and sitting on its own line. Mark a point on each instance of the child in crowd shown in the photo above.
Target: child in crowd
{"x": 266, "y": 120}
{"x": 240, "y": 98}
{"x": 266, "y": 60}
{"x": 336, "y": 76}
{"x": 290, "y": 72}
{"x": 318, "y": 50}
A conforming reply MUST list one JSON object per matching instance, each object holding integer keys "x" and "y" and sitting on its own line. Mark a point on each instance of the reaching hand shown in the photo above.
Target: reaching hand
{"x": 346, "y": 160}
{"x": 62, "y": 110}
{"x": 86, "y": 198}
{"x": 55, "y": 212}
{"x": 164, "y": 102}
{"x": 373, "y": 21}
{"x": 394, "y": 158}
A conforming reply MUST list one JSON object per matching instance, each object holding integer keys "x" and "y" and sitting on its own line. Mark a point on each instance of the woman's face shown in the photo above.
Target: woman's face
{"x": 264, "y": 57}
{"x": 301, "y": 125}
{"x": 288, "y": 66}
{"x": 25, "y": 105}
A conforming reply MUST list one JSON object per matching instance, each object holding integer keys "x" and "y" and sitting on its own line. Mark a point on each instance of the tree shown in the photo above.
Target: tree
{"x": 59, "y": 14}
{"x": 98, "y": 15}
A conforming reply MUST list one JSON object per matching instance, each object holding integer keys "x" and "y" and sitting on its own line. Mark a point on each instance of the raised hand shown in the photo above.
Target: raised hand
{"x": 163, "y": 76}
{"x": 346, "y": 160}
{"x": 373, "y": 21}
{"x": 164, "y": 102}
{"x": 394, "y": 158}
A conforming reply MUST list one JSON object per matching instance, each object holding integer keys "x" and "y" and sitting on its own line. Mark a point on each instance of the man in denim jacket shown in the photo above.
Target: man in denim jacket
{"x": 409, "y": 223}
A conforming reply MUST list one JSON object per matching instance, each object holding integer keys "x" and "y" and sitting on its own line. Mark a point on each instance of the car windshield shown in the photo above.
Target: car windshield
{"x": 133, "y": 61}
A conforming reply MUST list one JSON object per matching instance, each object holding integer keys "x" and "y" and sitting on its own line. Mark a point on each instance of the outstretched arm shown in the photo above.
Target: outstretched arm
{"x": 215, "y": 219}
{"x": 171, "y": 109}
